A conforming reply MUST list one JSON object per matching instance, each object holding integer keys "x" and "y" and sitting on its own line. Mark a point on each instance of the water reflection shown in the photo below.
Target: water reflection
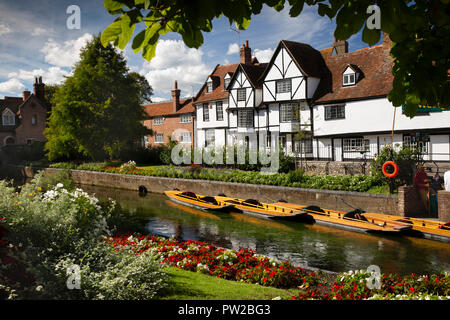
{"x": 305, "y": 245}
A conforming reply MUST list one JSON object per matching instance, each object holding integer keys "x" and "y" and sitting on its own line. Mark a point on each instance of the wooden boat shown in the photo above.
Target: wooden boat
{"x": 197, "y": 201}
{"x": 267, "y": 211}
{"x": 353, "y": 220}
{"x": 424, "y": 228}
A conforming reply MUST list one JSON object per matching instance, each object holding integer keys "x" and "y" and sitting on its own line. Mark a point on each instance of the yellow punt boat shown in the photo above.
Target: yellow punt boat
{"x": 353, "y": 220}
{"x": 197, "y": 201}
{"x": 425, "y": 228}
{"x": 267, "y": 211}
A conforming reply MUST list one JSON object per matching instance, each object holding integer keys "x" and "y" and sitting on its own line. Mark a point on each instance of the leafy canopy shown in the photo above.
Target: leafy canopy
{"x": 97, "y": 111}
{"x": 420, "y": 31}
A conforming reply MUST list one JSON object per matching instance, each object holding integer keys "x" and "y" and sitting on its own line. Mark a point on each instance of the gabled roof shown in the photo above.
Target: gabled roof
{"x": 219, "y": 91}
{"x": 253, "y": 73}
{"x": 374, "y": 63}
{"x": 306, "y": 58}
{"x": 166, "y": 108}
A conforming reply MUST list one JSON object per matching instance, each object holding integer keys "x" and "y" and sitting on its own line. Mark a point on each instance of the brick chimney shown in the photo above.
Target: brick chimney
{"x": 176, "y": 97}
{"x": 39, "y": 88}
{"x": 339, "y": 47}
{"x": 26, "y": 94}
{"x": 246, "y": 54}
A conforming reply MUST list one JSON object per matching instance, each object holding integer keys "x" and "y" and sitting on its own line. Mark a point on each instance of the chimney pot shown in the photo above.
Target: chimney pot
{"x": 176, "y": 97}
{"x": 246, "y": 54}
{"x": 26, "y": 94}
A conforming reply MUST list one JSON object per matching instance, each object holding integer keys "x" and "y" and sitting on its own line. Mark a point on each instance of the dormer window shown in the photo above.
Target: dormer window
{"x": 226, "y": 82}
{"x": 209, "y": 86}
{"x": 349, "y": 79}
{"x": 350, "y": 76}
{"x": 8, "y": 118}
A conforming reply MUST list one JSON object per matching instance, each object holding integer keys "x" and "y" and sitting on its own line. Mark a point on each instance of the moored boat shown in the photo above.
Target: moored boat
{"x": 424, "y": 228}
{"x": 197, "y": 201}
{"x": 265, "y": 210}
{"x": 353, "y": 220}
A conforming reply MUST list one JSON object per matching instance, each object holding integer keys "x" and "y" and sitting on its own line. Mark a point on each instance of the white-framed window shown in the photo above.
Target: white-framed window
{"x": 219, "y": 111}
{"x": 30, "y": 140}
{"x": 158, "y": 121}
{"x": 245, "y": 118}
{"x": 209, "y": 86}
{"x": 283, "y": 86}
{"x": 334, "y": 112}
{"x": 418, "y": 142}
{"x": 205, "y": 112}
{"x": 185, "y": 118}
{"x": 8, "y": 118}
{"x": 288, "y": 112}
{"x": 355, "y": 144}
{"x": 241, "y": 94}
{"x": 185, "y": 137}
{"x": 349, "y": 79}
{"x": 34, "y": 119}
{"x": 209, "y": 138}
{"x": 304, "y": 145}
{"x": 159, "y": 138}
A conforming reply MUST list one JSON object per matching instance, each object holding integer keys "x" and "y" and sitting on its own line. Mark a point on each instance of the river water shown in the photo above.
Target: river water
{"x": 304, "y": 245}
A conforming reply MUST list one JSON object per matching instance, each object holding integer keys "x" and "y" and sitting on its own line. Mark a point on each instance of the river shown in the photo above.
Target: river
{"x": 312, "y": 246}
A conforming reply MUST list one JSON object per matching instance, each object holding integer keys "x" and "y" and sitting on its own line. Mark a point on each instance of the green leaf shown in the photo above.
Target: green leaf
{"x": 127, "y": 31}
{"x": 113, "y": 5}
{"x": 111, "y": 33}
{"x": 371, "y": 36}
{"x": 296, "y": 8}
{"x": 243, "y": 24}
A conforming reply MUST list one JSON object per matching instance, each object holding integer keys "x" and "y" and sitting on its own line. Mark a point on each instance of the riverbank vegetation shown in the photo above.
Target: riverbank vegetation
{"x": 59, "y": 242}
{"x": 295, "y": 178}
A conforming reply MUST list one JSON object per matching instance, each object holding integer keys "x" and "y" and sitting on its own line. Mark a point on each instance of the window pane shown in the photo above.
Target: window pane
{"x": 241, "y": 95}
{"x": 283, "y": 86}
{"x": 245, "y": 118}
{"x": 209, "y": 86}
{"x": 205, "y": 112}
{"x": 219, "y": 111}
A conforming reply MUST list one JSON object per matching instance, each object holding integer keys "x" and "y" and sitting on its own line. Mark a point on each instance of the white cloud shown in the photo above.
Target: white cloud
{"x": 52, "y": 75}
{"x": 233, "y": 48}
{"x": 263, "y": 56}
{"x": 65, "y": 54}
{"x": 39, "y": 31}
{"x": 174, "y": 61}
{"x": 12, "y": 86}
{"x": 4, "y": 29}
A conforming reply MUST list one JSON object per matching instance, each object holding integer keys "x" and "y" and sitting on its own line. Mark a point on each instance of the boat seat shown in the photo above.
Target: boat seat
{"x": 253, "y": 202}
{"x": 210, "y": 200}
{"x": 355, "y": 214}
{"x": 189, "y": 194}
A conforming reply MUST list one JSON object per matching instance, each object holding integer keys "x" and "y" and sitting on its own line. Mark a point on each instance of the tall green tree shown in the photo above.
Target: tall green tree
{"x": 97, "y": 111}
{"x": 420, "y": 31}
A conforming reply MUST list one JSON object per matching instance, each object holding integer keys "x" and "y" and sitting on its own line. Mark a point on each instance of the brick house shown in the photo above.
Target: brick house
{"x": 172, "y": 119}
{"x": 23, "y": 118}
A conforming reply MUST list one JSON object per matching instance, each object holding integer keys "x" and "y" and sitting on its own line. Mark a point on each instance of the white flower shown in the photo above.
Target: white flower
{"x": 59, "y": 185}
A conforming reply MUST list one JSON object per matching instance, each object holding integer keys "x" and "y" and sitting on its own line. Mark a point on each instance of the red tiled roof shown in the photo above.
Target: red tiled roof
{"x": 376, "y": 79}
{"x": 219, "y": 91}
{"x": 166, "y": 108}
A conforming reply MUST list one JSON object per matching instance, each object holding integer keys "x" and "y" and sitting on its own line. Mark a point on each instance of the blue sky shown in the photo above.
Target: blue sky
{"x": 34, "y": 40}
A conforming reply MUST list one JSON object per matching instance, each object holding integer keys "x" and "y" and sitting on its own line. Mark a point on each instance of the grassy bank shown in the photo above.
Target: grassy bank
{"x": 187, "y": 285}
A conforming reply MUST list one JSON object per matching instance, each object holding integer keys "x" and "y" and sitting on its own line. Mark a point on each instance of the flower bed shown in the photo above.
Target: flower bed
{"x": 243, "y": 265}
{"x": 353, "y": 286}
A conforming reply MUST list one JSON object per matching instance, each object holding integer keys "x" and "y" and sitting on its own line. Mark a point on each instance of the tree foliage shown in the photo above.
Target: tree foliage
{"x": 420, "y": 31}
{"x": 97, "y": 111}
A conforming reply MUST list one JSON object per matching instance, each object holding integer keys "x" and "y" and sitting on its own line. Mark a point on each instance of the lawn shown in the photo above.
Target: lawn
{"x": 187, "y": 285}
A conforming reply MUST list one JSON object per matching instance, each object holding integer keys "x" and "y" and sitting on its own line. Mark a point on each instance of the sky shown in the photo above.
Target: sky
{"x": 35, "y": 41}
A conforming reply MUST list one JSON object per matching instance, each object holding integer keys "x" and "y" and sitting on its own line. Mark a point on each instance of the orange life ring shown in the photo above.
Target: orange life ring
{"x": 390, "y": 163}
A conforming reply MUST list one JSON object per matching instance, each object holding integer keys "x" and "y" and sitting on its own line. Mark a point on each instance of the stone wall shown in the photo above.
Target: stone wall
{"x": 444, "y": 205}
{"x": 334, "y": 167}
{"x": 405, "y": 204}
{"x": 337, "y": 200}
